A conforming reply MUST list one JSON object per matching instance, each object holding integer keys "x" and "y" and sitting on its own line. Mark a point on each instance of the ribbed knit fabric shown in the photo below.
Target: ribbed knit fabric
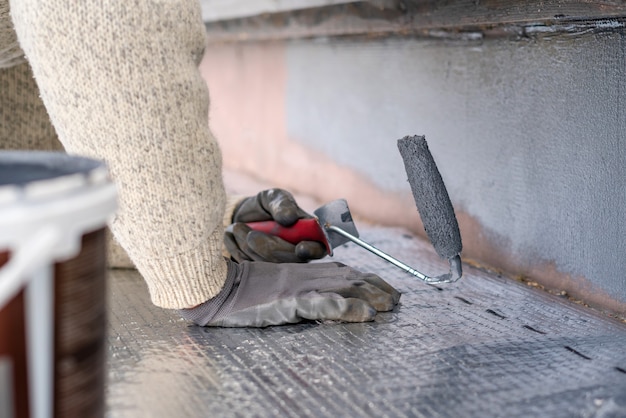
{"x": 120, "y": 82}
{"x": 117, "y": 257}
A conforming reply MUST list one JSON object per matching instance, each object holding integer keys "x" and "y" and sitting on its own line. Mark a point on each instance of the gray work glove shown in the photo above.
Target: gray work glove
{"x": 274, "y": 204}
{"x": 259, "y": 294}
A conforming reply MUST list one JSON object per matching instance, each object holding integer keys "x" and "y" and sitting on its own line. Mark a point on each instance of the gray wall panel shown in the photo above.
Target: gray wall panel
{"x": 530, "y": 136}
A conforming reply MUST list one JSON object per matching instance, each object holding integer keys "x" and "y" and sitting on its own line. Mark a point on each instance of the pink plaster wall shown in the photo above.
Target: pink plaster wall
{"x": 248, "y": 117}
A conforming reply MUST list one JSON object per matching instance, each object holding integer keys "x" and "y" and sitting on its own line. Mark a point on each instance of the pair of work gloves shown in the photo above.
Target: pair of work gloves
{"x": 270, "y": 283}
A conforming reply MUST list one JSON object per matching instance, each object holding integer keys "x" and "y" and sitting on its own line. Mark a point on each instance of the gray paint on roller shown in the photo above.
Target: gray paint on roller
{"x": 530, "y": 136}
{"x": 431, "y": 196}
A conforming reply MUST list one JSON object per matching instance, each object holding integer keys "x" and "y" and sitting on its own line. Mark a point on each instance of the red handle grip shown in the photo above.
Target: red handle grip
{"x": 302, "y": 230}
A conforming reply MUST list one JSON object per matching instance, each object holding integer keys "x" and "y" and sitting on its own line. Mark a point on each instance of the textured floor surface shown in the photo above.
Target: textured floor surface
{"x": 485, "y": 346}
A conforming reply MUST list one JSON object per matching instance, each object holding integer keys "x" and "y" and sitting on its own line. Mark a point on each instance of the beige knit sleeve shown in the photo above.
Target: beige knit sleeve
{"x": 120, "y": 82}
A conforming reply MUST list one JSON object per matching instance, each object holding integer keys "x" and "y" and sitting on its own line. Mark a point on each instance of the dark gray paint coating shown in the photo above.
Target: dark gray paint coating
{"x": 529, "y": 136}
{"x": 431, "y": 196}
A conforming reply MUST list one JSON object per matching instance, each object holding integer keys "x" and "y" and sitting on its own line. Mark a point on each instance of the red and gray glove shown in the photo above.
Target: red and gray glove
{"x": 269, "y": 205}
{"x": 258, "y": 294}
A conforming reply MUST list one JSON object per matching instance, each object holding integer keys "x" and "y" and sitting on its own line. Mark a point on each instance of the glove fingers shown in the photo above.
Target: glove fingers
{"x": 231, "y": 246}
{"x": 310, "y": 250}
{"x": 271, "y": 248}
{"x": 291, "y": 311}
{"x": 260, "y": 294}
{"x": 272, "y": 204}
{"x": 332, "y": 308}
{"x": 358, "y": 289}
{"x": 243, "y": 243}
{"x": 376, "y": 281}
{"x": 382, "y": 285}
{"x": 259, "y": 246}
{"x": 282, "y": 206}
{"x": 240, "y": 232}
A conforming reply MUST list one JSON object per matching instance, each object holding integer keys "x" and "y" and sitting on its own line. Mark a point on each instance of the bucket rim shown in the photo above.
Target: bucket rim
{"x": 19, "y": 168}
{"x": 28, "y": 176}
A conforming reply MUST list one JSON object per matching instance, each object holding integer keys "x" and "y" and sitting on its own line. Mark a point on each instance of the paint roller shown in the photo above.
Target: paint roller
{"x": 333, "y": 224}
{"x": 433, "y": 204}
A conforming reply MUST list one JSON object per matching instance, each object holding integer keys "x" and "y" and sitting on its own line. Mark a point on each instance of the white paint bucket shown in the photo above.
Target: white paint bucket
{"x": 53, "y": 212}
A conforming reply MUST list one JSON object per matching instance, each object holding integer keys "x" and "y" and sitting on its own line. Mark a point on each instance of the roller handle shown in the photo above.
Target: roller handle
{"x": 302, "y": 230}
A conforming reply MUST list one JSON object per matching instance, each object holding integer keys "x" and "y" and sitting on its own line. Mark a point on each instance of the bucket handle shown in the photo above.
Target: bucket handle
{"x": 26, "y": 269}
{"x": 30, "y": 255}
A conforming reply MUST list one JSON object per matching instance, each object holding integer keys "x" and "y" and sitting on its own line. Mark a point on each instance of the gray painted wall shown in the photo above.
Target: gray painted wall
{"x": 530, "y": 135}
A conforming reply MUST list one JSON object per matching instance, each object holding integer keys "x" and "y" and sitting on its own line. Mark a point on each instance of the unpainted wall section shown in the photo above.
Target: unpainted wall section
{"x": 529, "y": 135}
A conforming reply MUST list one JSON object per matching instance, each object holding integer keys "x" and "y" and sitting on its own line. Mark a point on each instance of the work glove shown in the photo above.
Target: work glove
{"x": 259, "y": 294}
{"x": 269, "y": 205}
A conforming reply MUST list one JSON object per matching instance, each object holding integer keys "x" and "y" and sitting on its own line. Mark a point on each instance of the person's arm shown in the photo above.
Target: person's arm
{"x": 120, "y": 82}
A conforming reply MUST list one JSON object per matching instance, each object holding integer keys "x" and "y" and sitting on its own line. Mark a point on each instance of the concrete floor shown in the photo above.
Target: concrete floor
{"x": 486, "y": 346}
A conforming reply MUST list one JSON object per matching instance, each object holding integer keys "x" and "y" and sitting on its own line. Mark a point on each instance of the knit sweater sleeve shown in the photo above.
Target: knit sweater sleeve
{"x": 120, "y": 81}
